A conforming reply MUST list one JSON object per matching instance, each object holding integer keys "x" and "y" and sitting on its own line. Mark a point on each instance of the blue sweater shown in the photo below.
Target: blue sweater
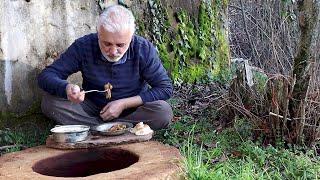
{"x": 130, "y": 76}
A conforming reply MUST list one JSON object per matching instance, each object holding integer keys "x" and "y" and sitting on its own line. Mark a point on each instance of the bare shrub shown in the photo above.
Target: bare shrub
{"x": 266, "y": 32}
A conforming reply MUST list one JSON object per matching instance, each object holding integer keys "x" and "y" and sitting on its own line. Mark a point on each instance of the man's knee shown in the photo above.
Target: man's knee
{"x": 49, "y": 103}
{"x": 46, "y": 104}
{"x": 165, "y": 110}
{"x": 163, "y": 114}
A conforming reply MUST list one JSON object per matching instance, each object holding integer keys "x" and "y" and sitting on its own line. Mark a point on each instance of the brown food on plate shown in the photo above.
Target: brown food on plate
{"x": 117, "y": 127}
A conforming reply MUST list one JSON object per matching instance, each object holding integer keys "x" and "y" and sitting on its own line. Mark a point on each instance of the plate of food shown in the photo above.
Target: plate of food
{"x": 113, "y": 128}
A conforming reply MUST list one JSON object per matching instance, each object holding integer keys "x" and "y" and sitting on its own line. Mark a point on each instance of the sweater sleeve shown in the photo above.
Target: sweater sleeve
{"x": 53, "y": 78}
{"x": 156, "y": 76}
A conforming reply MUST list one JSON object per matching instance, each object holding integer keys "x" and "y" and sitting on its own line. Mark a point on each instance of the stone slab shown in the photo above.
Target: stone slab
{"x": 94, "y": 141}
{"x": 156, "y": 162}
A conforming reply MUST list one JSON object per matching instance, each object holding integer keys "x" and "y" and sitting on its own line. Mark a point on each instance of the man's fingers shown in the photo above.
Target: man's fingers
{"x": 105, "y": 118}
{"x": 104, "y": 114}
{"x": 75, "y": 89}
{"x": 81, "y": 96}
{"x": 104, "y": 109}
{"x": 75, "y": 94}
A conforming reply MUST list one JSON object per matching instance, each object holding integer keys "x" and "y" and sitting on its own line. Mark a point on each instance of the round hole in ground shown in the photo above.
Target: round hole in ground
{"x": 82, "y": 163}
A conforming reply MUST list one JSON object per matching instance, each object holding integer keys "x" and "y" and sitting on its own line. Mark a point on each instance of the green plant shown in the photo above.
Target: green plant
{"x": 243, "y": 128}
{"x": 24, "y": 136}
{"x": 6, "y": 136}
{"x": 260, "y": 80}
{"x": 193, "y": 165}
{"x": 229, "y": 154}
{"x": 176, "y": 133}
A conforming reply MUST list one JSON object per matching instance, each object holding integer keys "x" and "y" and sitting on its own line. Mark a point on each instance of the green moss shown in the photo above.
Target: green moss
{"x": 140, "y": 27}
{"x": 190, "y": 52}
{"x": 225, "y": 4}
{"x": 6, "y": 115}
{"x": 194, "y": 73}
{"x": 10, "y": 119}
{"x": 221, "y": 66}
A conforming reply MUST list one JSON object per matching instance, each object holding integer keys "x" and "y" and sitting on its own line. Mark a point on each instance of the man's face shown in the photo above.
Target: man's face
{"x": 114, "y": 45}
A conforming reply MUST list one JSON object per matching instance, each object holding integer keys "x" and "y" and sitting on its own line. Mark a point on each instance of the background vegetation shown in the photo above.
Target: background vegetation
{"x": 231, "y": 119}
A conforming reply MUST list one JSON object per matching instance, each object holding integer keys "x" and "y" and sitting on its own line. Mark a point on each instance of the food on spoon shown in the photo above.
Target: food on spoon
{"x": 108, "y": 88}
{"x": 117, "y": 127}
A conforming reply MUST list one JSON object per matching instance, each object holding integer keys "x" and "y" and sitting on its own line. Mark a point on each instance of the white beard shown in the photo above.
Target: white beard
{"x": 112, "y": 59}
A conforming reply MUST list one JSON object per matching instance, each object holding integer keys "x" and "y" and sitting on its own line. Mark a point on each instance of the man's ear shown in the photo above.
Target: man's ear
{"x": 98, "y": 28}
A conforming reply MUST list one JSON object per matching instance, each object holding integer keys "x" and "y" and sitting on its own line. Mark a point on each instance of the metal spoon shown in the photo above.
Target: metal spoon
{"x": 95, "y": 91}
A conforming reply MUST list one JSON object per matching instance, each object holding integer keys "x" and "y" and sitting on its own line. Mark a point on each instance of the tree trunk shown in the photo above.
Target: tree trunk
{"x": 305, "y": 57}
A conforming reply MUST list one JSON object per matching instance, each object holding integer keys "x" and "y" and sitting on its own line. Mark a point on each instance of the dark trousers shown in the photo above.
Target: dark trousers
{"x": 156, "y": 114}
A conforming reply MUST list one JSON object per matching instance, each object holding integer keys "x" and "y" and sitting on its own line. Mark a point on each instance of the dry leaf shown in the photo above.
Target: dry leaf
{"x": 218, "y": 159}
{"x": 209, "y": 145}
{"x": 174, "y": 119}
{"x": 236, "y": 153}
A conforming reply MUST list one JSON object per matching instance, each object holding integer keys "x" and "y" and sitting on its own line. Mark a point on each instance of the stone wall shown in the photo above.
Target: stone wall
{"x": 32, "y": 34}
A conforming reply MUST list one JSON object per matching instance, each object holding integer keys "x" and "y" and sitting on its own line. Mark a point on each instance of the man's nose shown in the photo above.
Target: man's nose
{"x": 113, "y": 50}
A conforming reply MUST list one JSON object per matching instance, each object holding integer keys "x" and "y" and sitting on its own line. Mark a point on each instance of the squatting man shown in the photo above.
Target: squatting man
{"x": 114, "y": 55}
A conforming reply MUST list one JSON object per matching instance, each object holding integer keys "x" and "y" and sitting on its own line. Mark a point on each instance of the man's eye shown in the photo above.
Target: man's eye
{"x": 120, "y": 45}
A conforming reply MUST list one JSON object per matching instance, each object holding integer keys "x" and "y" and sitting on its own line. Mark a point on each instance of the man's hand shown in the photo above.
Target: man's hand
{"x": 74, "y": 94}
{"x": 112, "y": 110}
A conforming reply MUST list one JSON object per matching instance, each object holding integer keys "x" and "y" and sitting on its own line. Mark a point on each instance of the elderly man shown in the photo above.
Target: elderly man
{"x": 114, "y": 59}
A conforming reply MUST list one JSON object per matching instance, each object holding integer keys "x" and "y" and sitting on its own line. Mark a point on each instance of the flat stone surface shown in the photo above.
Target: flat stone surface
{"x": 98, "y": 141}
{"x": 156, "y": 162}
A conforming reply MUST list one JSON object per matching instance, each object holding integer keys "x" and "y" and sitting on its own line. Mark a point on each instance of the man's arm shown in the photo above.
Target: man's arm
{"x": 52, "y": 79}
{"x": 156, "y": 76}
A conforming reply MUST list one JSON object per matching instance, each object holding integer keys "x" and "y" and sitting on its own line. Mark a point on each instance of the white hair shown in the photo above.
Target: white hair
{"x": 116, "y": 18}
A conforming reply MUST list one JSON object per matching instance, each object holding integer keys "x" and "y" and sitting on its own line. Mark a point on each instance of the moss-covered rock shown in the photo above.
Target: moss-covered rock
{"x": 192, "y": 48}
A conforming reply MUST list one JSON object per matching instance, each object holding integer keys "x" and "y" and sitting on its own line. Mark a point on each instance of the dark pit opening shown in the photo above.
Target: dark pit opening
{"x": 82, "y": 163}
